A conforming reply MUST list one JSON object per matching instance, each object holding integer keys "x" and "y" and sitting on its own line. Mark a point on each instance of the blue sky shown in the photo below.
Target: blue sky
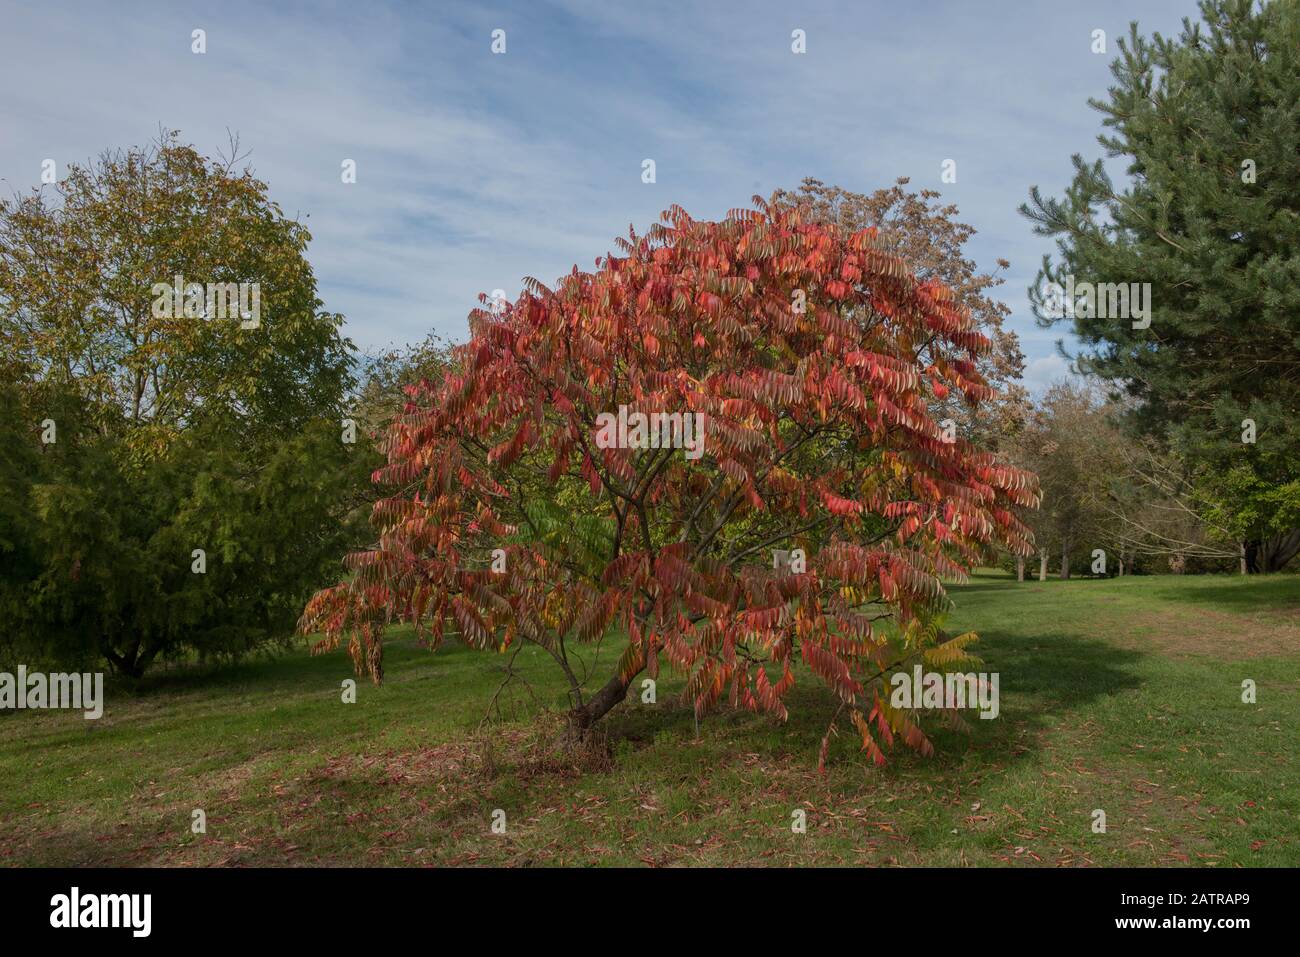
{"x": 475, "y": 170}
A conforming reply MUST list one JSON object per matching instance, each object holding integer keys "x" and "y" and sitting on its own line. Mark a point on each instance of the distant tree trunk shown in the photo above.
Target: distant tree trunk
{"x": 1271, "y": 554}
{"x": 1244, "y": 568}
{"x": 1042, "y": 564}
{"x": 1121, "y": 565}
{"x": 1020, "y": 568}
{"x": 1065, "y": 560}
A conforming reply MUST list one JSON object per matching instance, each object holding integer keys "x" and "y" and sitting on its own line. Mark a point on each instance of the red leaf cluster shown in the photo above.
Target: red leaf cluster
{"x": 812, "y": 358}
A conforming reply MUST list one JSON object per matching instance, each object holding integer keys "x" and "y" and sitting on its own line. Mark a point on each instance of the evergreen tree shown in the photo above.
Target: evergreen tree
{"x": 1210, "y": 125}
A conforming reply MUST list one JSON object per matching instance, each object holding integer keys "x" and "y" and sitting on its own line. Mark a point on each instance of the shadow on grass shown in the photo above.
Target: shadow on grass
{"x": 268, "y": 669}
{"x": 1280, "y": 592}
{"x": 1042, "y": 679}
{"x": 1043, "y": 676}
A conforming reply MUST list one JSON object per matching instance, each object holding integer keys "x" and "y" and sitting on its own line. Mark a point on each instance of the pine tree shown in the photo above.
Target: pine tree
{"x": 1210, "y": 219}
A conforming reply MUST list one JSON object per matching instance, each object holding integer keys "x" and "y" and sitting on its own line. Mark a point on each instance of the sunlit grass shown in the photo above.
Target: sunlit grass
{"x": 1120, "y": 695}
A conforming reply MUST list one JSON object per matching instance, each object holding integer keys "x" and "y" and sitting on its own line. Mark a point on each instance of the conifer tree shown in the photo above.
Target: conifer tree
{"x": 1210, "y": 218}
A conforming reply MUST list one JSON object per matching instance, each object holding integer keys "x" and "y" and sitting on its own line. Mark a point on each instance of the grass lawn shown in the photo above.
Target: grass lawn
{"x": 1123, "y": 695}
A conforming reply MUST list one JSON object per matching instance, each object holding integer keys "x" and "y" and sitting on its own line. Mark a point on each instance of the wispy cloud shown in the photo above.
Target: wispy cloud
{"x": 475, "y": 170}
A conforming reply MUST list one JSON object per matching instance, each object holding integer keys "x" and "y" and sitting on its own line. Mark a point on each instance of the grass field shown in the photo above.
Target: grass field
{"x": 1123, "y": 695}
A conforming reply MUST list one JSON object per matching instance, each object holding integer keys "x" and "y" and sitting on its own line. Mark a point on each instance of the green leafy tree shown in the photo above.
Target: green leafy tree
{"x": 1210, "y": 219}
{"x": 1071, "y": 443}
{"x": 181, "y": 478}
{"x": 389, "y": 375}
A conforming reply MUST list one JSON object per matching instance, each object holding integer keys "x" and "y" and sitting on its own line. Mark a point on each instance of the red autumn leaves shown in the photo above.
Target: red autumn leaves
{"x": 812, "y": 356}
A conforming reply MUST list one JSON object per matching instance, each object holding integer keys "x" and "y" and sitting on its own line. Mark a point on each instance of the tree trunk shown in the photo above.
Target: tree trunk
{"x": 1121, "y": 565}
{"x": 1065, "y": 561}
{"x": 1244, "y": 568}
{"x": 1042, "y": 564}
{"x": 1020, "y": 568}
{"x": 1271, "y": 554}
{"x": 598, "y": 705}
{"x": 133, "y": 662}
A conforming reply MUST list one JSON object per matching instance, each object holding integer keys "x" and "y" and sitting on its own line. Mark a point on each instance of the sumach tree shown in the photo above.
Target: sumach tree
{"x": 932, "y": 240}
{"x": 806, "y": 356}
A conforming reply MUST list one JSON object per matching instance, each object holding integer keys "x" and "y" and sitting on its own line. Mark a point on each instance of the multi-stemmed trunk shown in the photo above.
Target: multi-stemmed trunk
{"x": 1265, "y": 555}
{"x": 132, "y": 661}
